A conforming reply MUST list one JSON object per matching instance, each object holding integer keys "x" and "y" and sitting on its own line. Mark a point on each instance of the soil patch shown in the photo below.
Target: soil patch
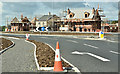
{"x": 45, "y": 55}
{"x": 4, "y": 43}
{"x": 56, "y": 33}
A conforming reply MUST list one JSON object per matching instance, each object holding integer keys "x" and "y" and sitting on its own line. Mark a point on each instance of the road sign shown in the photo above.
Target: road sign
{"x": 101, "y": 35}
{"x": 42, "y": 28}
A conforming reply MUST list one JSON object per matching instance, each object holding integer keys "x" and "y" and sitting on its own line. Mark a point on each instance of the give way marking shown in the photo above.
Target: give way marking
{"x": 91, "y": 54}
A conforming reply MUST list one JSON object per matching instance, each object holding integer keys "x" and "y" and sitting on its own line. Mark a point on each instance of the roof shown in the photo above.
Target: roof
{"x": 79, "y": 13}
{"x": 33, "y": 20}
{"x": 45, "y": 17}
{"x": 15, "y": 20}
{"x": 25, "y": 20}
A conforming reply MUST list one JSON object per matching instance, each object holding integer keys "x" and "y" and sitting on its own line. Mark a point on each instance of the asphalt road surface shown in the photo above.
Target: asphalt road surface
{"x": 102, "y": 55}
{"x": 86, "y": 63}
{"x": 19, "y": 58}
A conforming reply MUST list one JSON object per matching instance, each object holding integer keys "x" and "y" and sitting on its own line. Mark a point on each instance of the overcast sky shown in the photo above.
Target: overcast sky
{"x": 11, "y": 8}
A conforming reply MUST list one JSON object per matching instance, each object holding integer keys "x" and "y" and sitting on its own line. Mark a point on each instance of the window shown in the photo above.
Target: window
{"x": 89, "y": 30}
{"x": 110, "y": 27}
{"x": 85, "y": 29}
{"x": 70, "y": 16}
{"x": 80, "y": 29}
{"x": 85, "y": 15}
{"x": 74, "y": 28}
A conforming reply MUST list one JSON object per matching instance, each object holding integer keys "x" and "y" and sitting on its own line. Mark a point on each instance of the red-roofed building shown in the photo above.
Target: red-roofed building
{"x": 20, "y": 25}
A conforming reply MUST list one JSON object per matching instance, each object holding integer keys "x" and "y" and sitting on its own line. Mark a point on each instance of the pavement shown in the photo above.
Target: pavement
{"x": 19, "y": 58}
{"x": 97, "y": 52}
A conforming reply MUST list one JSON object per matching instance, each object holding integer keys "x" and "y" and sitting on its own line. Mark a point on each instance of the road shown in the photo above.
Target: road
{"x": 19, "y": 58}
{"x": 85, "y": 63}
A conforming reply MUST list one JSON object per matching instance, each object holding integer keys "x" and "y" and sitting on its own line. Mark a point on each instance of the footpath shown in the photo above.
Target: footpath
{"x": 19, "y": 58}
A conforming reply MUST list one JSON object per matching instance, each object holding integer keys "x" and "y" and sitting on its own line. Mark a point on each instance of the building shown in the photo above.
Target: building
{"x": 105, "y": 27}
{"x": 20, "y": 25}
{"x": 119, "y": 20}
{"x": 32, "y": 26}
{"x": 81, "y": 20}
{"x": 113, "y": 27}
{"x": 47, "y": 21}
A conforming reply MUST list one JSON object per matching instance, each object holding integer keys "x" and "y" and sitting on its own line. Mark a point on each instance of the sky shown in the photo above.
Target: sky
{"x": 11, "y": 9}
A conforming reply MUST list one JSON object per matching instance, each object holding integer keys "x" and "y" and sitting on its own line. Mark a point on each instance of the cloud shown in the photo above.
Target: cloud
{"x": 31, "y": 9}
{"x": 60, "y": 0}
{"x": 1, "y": 4}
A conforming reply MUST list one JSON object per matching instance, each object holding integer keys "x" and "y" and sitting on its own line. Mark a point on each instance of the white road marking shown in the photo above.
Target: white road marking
{"x": 98, "y": 57}
{"x": 91, "y": 54}
{"x": 72, "y": 41}
{"x": 13, "y": 38}
{"x": 49, "y": 38}
{"x": 44, "y": 37}
{"x": 114, "y": 52}
{"x": 112, "y": 41}
{"x": 91, "y": 46}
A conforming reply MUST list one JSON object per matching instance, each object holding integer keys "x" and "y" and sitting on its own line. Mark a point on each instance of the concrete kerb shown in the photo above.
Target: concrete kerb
{"x": 2, "y": 51}
{"x": 50, "y": 68}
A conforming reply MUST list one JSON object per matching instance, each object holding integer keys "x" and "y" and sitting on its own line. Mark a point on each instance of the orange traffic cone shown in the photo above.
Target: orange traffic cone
{"x": 58, "y": 63}
{"x": 27, "y": 39}
{"x": 27, "y": 36}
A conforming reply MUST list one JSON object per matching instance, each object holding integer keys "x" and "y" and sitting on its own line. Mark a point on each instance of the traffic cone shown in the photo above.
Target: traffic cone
{"x": 58, "y": 63}
{"x": 27, "y": 36}
{"x": 27, "y": 39}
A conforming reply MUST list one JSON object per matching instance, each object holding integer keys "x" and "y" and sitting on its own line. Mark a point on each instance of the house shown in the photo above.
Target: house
{"x": 113, "y": 27}
{"x": 32, "y": 26}
{"x": 47, "y": 21}
{"x": 20, "y": 25}
{"x": 81, "y": 20}
{"x": 105, "y": 27}
{"x": 109, "y": 27}
{"x": 119, "y": 21}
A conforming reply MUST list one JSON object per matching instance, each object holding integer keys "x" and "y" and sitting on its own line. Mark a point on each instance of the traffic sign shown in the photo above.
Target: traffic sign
{"x": 42, "y": 28}
{"x": 101, "y": 35}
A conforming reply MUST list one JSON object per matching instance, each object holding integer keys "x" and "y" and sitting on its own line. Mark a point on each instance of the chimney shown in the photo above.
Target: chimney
{"x": 93, "y": 10}
{"x": 97, "y": 12}
{"x": 68, "y": 11}
{"x": 49, "y": 13}
{"x": 21, "y": 16}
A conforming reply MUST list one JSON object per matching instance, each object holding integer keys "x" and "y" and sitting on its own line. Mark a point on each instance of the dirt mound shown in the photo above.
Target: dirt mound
{"x": 45, "y": 55}
{"x": 4, "y": 43}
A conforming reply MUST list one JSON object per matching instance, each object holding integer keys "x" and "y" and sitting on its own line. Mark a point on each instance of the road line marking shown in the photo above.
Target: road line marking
{"x": 72, "y": 41}
{"x": 14, "y": 38}
{"x": 91, "y": 46}
{"x": 91, "y": 54}
{"x": 49, "y": 38}
{"x": 114, "y": 52}
{"x": 112, "y": 41}
{"x": 98, "y": 57}
{"x": 43, "y": 37}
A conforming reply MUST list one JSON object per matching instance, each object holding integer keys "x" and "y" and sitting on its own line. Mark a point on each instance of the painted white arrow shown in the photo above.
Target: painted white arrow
{"x": 91, "y": 54}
